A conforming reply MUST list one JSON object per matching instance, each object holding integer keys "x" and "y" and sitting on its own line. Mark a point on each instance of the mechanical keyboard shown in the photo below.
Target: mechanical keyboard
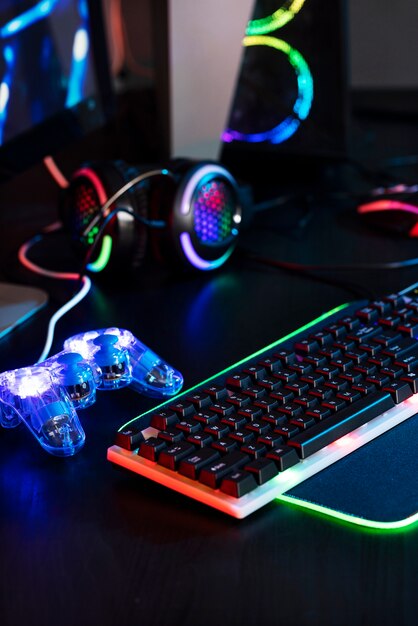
{"x": 249, "y": 434}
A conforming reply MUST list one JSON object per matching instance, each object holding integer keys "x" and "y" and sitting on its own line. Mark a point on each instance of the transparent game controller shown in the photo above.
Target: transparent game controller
{"x": 46, "y": 396}
{"x": 33, "y": 396}
{"x": 124, "y": 360}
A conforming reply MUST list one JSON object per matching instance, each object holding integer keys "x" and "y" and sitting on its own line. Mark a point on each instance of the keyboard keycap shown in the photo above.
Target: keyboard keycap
{"x": 129, "y": 438}
{"x": 287, "y": 357}
{"x": 238, "y": 399}
{"x": 163, "y": 419}
{"x": 251, "y": 413}
{"x": 367, "y": 314}
{"x": 189, "y": 426}
{"x": 212, "y": 475}
{"x": 192, "y": 465}
{"x": 343, "y": 422}
{"x": 408, "y": 329}
{"x": 216, "y": 392}
{"x": 222, "y": 408}
{"x": 182, "y": 408}
{"x": 262, "y": 469}
{"x": 364, "y": 333}
{"x": 171, "y": 435}
{"x": 254, "y": 450}
{"x": 284, "y": 457}
{"x": 238, "y": 381}
{"x": 399, "y": 390}
{"x": 238, "y": 484}
{"x": 170, "y": 457}
{"x": 151, "y": 448}
{"x": 256, "y": 372}
{"x": 270, "y": 440}
{"x": 225, "y": 445}
{"x": 402, "y": 348}
{"x": 200, "y": 440}
{"x": 412, "y": 379}
{"x": 200, "y": 400}
{"x": 217, "y": 431}
{"x": 206, "y": 417}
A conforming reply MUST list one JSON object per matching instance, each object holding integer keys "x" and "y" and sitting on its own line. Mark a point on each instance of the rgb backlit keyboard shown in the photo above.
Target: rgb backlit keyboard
{"x": 249, "y": 434}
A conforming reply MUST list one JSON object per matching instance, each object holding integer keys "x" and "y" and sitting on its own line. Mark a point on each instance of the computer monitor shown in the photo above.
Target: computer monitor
{"x": 54, "y": 88}
{"x": 54, "y": 77}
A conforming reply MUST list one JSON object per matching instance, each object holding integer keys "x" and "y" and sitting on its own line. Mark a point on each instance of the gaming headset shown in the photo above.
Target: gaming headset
{"x": 188, "y": 211}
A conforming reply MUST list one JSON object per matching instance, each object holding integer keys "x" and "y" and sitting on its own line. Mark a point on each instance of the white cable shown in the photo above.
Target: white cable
{"x": 60, "y": 313}
{"x": 37, "y": 269}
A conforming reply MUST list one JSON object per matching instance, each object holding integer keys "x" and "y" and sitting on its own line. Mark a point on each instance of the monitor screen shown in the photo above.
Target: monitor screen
{"x": 54, "y": 83}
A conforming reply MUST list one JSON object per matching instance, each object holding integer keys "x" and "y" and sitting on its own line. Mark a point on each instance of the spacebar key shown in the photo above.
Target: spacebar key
{"x": 341, "y": 423}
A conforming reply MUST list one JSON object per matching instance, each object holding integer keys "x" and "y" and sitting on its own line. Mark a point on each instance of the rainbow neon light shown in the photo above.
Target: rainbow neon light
{"x": 303, "y": 102}
{"x": 276, "y": 20}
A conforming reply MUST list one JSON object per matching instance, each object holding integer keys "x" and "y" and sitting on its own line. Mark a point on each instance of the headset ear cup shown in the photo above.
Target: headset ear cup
{"x": 206, "y": 215}
{"x": 161, "y": 199}
{"x": 90, "y": 187}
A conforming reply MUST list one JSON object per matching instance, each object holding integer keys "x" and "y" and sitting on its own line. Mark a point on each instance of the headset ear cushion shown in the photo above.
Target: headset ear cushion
{"x": 90, "y": 187}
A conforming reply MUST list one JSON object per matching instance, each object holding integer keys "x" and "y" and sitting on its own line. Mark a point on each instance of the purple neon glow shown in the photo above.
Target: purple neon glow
{"x": 196, "y": 260}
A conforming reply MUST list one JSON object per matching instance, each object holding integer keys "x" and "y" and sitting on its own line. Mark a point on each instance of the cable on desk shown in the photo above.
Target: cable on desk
{"x": 56, "y": 173}
{"x": 310, "y": 271}
{"x": 288, "y": 265}
{"x": 37, "y": 269}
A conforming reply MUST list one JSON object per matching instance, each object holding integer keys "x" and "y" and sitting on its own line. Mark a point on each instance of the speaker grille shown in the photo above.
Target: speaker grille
{"x": 87, "y": 206}
{"x": 214, "y": 205}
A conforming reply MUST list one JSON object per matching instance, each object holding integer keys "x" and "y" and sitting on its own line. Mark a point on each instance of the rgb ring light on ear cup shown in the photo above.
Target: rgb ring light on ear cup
{"x": 91, "y": 188}
{"x": 206, "y": 216}
{"x": 200, "y": 206}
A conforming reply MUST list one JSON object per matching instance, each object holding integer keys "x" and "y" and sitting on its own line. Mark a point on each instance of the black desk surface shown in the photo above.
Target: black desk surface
{"x": 81, "y": 543}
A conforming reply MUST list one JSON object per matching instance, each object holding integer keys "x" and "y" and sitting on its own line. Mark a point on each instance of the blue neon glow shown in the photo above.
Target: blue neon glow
{"x": 74, "y": 81}
{"x": 78, "y": 68}
{"x": 29, "y": 17}
{"x": 9, "y": 58}
{"x": 4, "y": 96}
{"x": 9, "y": 55}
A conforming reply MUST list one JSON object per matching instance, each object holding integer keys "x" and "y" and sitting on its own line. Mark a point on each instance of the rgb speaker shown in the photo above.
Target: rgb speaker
{"x": 290, "y": 96}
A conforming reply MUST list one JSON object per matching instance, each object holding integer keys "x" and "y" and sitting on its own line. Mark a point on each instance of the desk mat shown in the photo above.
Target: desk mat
{"x": 375, "y": 486}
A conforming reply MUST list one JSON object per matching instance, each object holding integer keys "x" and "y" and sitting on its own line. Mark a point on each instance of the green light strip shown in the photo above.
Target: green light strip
{"x": 103, "y": 259}
{"x": 351, "y": 519}
{"x": 276, "y": 20}
{"x": 321, "y": 318}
